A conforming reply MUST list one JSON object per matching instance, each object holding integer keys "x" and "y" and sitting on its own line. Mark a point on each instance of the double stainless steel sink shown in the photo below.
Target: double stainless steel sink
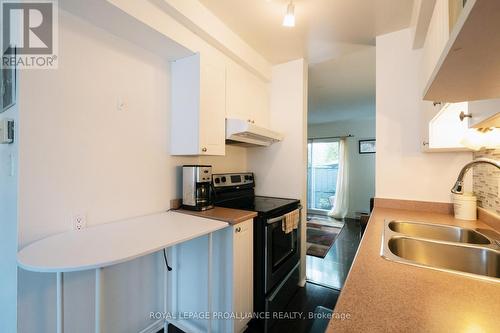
{"x": 471, "y": 252}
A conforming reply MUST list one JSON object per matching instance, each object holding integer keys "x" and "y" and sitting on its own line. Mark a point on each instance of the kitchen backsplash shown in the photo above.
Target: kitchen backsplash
{"x": 486, "y": 182}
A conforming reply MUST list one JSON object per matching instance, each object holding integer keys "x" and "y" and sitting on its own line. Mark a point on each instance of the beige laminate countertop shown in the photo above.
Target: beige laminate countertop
{"x": 229, "y": 215}
{"x": 384, "y": 296}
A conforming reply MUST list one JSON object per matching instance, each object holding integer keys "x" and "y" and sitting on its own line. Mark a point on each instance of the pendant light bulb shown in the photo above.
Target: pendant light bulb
{"x": 289, "y": 20}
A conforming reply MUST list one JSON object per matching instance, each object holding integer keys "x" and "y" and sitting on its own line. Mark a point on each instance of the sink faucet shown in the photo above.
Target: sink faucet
{"x": 458, "y": 187}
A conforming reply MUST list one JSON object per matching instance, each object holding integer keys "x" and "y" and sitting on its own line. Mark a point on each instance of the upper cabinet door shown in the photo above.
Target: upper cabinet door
{"x": 443, "y": 127}
{"x": 212, "y": 109}
{"x": 261, "y": 102}
{"x": 247, "y": 96}
{"x": 198, "y": 107}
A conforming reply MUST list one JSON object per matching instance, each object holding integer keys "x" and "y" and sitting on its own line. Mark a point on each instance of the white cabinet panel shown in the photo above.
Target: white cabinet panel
{"x": 243, "y": 272}
{"x": 212, "y": 110}
{"x": 436, "y": 39}
{"x": 247, "y": 97}
{"x": 198, "y": 107}
{"x": 442, "y": 128}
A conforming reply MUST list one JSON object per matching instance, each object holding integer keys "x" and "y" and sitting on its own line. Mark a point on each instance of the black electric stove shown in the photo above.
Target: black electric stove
{"x": 276, "y": 253}
{"x": 260, "y": 204}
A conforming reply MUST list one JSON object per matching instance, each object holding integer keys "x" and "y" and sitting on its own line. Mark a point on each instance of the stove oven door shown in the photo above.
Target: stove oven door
{"x": 282, "y": 252}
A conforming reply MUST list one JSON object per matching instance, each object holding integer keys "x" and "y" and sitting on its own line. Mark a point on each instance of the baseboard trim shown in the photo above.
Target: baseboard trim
{"x": 154, "y": 327}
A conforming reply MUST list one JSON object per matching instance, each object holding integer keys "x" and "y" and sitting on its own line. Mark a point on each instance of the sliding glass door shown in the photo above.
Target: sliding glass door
{"x": 322, "y": 170}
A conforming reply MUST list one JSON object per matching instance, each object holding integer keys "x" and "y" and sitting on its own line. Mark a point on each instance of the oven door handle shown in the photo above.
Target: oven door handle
{"x": 280, "y": 218}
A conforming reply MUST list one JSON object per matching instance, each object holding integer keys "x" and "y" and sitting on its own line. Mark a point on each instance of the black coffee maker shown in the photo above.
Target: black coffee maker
{"x": 197, "y": 191}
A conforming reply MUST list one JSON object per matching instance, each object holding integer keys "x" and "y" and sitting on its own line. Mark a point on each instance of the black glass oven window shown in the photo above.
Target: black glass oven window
{"x": 282, "y": 245}
{"x": 236, "y": 179}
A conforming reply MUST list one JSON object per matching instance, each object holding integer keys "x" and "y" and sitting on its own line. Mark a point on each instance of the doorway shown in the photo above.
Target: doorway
{"x": 340, "y": 174}
{"x": 322, "y": 173}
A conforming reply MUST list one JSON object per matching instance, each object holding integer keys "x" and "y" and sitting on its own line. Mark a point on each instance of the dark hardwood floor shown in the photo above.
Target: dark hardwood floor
{"x": 332, "y": 270}
{"x": 304, "y": 303}
{"x": 302, "y": 306}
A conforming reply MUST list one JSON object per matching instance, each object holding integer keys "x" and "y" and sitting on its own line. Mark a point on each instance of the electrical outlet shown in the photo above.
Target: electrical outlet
{"x": 79, "y": 222}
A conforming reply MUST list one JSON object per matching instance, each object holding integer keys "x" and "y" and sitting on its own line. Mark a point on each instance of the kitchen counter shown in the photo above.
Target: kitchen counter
{"x": 228, "y": 215}
{"x": 384, "y": 296}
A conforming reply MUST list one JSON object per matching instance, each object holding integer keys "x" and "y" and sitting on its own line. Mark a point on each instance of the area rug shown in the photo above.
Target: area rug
{"x": 320, "y": 238}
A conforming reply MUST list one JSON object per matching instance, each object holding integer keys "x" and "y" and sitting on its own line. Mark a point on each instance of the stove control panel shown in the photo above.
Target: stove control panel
{"x": 232, "y": 179}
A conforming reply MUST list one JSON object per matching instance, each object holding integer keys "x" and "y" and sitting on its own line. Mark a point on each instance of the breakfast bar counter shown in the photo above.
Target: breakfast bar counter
{"x": 385, "y": 296}
{"x": 113, "y": 243}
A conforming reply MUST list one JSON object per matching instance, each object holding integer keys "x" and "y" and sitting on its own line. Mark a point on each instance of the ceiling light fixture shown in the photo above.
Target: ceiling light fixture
{"x": 289, "y": 20}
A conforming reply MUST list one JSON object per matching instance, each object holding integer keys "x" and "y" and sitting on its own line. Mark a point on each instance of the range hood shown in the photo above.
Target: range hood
{"x": 244, "y": 133}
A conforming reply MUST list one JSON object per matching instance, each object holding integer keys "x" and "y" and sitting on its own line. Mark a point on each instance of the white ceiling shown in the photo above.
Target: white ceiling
{"x": 336, "y": 36}
{"x": 320, "y": 24}
{"x": 343, "y": 88}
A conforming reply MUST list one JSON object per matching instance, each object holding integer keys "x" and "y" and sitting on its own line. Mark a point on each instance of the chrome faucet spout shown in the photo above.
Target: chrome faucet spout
{"x": 458, "y": 188}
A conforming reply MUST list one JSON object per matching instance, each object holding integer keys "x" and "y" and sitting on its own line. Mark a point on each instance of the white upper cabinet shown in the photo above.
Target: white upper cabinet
{"x": 443, "y": 127}
{"x": 461, "y": 52}
{"x": 461, "y": 70}
{"x": 447, "y": 126}
{"x": 438, "y": 34}
{"x": 197, "y": 124}
{"x": 247, "y": 96}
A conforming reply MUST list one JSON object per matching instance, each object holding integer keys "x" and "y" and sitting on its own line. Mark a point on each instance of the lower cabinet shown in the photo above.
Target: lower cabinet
{"x": 243, "y": 273}
{"x": 222, "y": 290}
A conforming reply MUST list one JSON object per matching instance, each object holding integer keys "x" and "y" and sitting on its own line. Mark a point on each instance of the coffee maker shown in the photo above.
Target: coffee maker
{"x": 197, "y": 191}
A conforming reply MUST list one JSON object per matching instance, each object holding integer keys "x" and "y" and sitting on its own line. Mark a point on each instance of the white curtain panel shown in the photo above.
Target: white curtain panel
{"x": 341, "y": 203}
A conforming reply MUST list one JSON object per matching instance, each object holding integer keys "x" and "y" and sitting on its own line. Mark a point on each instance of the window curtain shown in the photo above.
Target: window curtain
{"x": 341, "y": 202}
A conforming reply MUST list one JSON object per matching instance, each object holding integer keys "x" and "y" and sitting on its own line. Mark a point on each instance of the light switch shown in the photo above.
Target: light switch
{"x": 6, "y": 131}
{"x": 121, "y": 105}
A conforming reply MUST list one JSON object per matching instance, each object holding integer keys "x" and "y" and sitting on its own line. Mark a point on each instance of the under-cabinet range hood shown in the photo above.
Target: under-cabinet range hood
{"x": 244, "y": 133}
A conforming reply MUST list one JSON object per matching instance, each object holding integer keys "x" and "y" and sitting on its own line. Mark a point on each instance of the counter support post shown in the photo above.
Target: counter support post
{"x": 165, "y": 300}
{"x": 209, "y": 284}
{"x": 98, "y": 299}
{"x": 60, "y": 303}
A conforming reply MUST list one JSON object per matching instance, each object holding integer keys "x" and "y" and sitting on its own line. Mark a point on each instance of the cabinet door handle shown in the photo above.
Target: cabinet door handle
{"x": 238, "y": 229}
{"x": 204, "y": 149}
{"x": 463, "y": 115}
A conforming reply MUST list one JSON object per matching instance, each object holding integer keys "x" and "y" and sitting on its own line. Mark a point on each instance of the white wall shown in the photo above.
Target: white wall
{"x": 79, "y": 154}
{"x": 402, "y": 170}
{"x": 8, "y": 228}
{"x": 179, "y": 21}
{"x": 281, "y": 170}
{"x": 361, "y": 166}
{"x": 8, "y": 217}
